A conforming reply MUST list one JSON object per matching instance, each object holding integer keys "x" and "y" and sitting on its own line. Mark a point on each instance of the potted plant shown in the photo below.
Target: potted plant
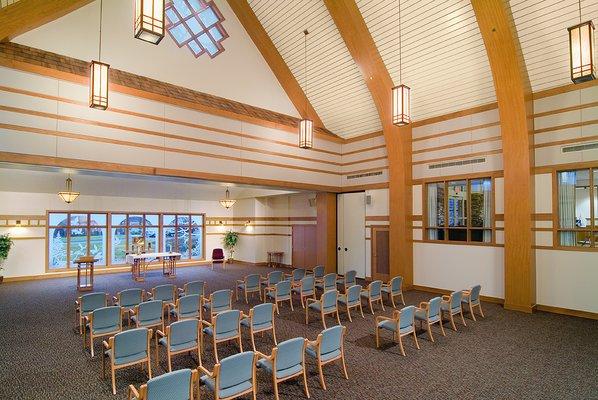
{"x": 229, "y": 241}
{"x": 5, "y": 245}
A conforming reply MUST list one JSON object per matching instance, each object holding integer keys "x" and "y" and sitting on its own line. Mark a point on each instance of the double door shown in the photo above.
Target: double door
{"x": 350, "y": 233}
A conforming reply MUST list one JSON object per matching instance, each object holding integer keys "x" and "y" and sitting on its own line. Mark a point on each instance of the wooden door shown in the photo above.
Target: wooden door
{"x": 304, "y": 246}
{"x": 351, "y": 233}
{"x": 380, "y": 253}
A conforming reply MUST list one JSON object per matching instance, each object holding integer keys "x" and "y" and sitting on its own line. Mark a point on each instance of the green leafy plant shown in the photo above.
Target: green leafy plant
{"x": 5, "y": 245}
{"x": 229, "y": 241}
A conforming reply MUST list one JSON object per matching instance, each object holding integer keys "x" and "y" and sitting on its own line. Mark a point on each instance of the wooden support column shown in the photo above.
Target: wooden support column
{"x": 361, "y": 45}
{"x": 515, "y": 106}
{"x": 326, "y": 230}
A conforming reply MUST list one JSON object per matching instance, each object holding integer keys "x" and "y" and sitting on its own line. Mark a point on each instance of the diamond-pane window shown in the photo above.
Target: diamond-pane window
{"x": 196, "y": 24}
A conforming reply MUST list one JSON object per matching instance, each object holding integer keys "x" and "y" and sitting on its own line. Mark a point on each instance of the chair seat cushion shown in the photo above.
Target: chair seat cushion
{"x": 148, "y": 322}
{"x": 192, "y": 314}
{"x": 446, "y": 307}
{"x": 192, "y": 344}
{"x": 208, "y": 305}
{"x": 304, "y": 292}
{"x": 422, "y": 316}
{"x": 325, "y": 357}
{"x": 389, "y": 290}
{"x": 283, "y": 373}
{"x": 264, "y": 325}
{"x": 474, "y": 302}
{"x": 127, "y": 359}
{"x": 392, "y": 326}
{"x": 106, "y": 330}
{"x": 366, "y": 295}
{"x": 316, "y": 306}
{"x": 229, "y": 391}
{"x": 222, "y": 335}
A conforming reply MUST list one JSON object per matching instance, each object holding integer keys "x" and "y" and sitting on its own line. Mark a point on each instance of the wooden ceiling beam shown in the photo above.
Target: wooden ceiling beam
{"x": 361, "y": 46}
{"x": 26, "y": 15}
{"x": 515, "y": 107}
{"x": 285, "y": 77}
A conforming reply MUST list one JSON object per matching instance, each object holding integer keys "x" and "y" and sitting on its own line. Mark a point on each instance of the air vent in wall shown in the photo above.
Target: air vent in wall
{"x": 580, "y": 147}
{"x": 364, "y": 175}
{"x": 457, "y": 163}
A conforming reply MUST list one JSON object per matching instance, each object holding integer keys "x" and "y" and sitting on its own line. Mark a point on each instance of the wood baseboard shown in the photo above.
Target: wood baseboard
{"x": 518, "y": 307}
{"x": 488, "y": 299}
{"x": 567, "y": 311}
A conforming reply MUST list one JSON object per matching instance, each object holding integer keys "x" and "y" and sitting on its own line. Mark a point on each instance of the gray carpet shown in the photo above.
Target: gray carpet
{"x": 507, "y": 355}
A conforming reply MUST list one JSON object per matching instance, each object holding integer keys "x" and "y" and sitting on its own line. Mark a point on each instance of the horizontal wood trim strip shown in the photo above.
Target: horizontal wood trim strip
{"x": 417, "y": 218}
{"x": 29, "y": 237}
{"x": 542, "y": 216}
{"x": 364, "y": 137}
{"x": 455, "y": 131}
{"x": 563, "y": 89}
{"x": 567, "y": 166}
{"x": 567, "y": 311}
{"x": 261, "y": 218}
{"x": 363, "y": 187}
{"x": 567, "y": 141}
{"x": 561, "y": 248}
{"x": 249, "y": 234}
{"x": 433, "y": 179}
{"x": 458, "y": 157}
{"x": 377, "y": 217}
{"x": 489, "y": 299}
{"x": 34, "y": 159}
{"x": 459, "y": 144}
{"x": 456, "y": 114}
{"x": 455, "y": 243}
{"x": 24, "y": 217}
{"x": 382, "y": 146}
{"x": 565, "y": 126}
{"x": 566, "y": 109}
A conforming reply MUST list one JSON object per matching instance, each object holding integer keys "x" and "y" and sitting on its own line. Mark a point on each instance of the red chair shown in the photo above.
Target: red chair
{"x": 218, "y": 257}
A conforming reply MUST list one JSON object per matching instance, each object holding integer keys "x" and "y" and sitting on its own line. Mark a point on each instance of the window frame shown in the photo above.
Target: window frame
{"x": 109, "y": 226}
{"x": 592, "y": 230}
{"x": 445, "y": 181}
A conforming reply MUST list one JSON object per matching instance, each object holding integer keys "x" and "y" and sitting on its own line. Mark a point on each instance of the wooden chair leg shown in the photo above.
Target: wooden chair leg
{"x": 275, "y": 384}
{"x": 321, "y": 373}
{"x": 361, "y": 310}
{"x": 169, "y": 360}
{"x": 442, "y": 327}
{"x": 382, "y": 303}
{"x": 377, "y": 337}
{"x": 430, "y": 332}
{"x": 246, "y": 298}
{"x": 392, "y": 300}
{"x": 471, "y": 311}
{"x": 240, "y": 343}
{"x": 274, "y": 334}
{"x": 338, "y": 318}
{"x": 216, "y": 352}
{"x": 305, "y": 381}
{"x": 452, "y": 321}
{"x": 371, "y": 307}
{"x": 344, "y": 365}
{"x": 113, "y": 382}
{"x": 307, "y": 316}
{"x": 291, "y": 301}
{"x": 324, "y": 320}
{"x": 149, "y": 368}
{"x": 415, "y": 338}
{"x": 349, "y": 313}
{"x": 462, "y": 317}
{"x": 481, "y": 312}
{"x": 402, "y": 298}
{"x": 252, "y": 341}
{"x": 401, "y": 345}
{"x": 91, "y": 344}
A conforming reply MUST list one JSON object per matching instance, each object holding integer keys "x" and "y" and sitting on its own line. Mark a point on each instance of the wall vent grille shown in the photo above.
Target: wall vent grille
{"x": 375, "y": 173}
{"x": 457, "y": 163}
{"x": 580, "y": 147}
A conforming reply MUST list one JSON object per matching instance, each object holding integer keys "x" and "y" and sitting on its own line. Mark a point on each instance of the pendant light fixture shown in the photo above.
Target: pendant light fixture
{"x": 582, "y": 50}
{"x": 227, "y": 202}
{"x": 306, "y": 126}
{"x": 149, "y": 20}
{"x": 98, "y": 77}
{"x": 401, "y": 95}
{"x": 68, "y": 196}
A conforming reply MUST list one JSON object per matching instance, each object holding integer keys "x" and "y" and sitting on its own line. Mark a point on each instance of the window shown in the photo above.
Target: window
{"x": 196, "y": 24}
{"x": 577, "y": 208}
{"x": 459, "y": 210}
{"x": 110, "y": 236}
{"x": 72, "y": 235}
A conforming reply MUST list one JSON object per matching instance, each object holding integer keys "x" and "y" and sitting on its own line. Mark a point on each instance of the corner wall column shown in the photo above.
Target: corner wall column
{"x": 326, "y": 231}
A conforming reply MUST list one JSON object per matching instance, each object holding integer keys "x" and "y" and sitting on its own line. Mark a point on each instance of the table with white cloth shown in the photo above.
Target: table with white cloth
{"x": 138, "y": 263}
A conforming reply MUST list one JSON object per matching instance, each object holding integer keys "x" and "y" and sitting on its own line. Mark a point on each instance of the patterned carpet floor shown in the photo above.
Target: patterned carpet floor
{"x": 507, "y": 355}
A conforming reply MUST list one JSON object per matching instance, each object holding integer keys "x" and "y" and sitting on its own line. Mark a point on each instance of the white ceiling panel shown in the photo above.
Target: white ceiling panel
{"x": 335, "y": 86}
{"x": 444, "y": 60}
{"x": 542, "y": 30}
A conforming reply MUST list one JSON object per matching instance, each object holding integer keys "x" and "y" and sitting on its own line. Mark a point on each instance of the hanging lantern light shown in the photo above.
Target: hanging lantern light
{"x": 98, "y": 77}
{"x": 68, "y": 196}
{"x": 227, "y": 202}
{"x": 149, "y": 20}
{"x": 306, "y": 126}
{"x": 582, "y": 52}
{"x": 401, "y": 94}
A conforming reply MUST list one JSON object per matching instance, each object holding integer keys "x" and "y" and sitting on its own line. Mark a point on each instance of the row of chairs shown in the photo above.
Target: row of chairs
{"x": 235, "y": 376}
{"x": 403, "y": 322}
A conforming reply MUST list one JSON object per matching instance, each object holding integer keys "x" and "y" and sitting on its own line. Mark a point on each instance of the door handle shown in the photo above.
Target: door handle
{"x": 339, "y": 248}
{"x": 345, "y": 249}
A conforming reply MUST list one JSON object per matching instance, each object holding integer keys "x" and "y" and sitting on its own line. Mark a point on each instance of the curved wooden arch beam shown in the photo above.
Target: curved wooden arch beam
{"x": 515, "y": 106}
{"x": 26, "y": 15}
{"x": 361, "y": 45}
{"x": 285, "y": 77}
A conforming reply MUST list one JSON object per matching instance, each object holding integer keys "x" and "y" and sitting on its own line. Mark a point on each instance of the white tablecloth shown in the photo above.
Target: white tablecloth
{"x": 132, "y": 257}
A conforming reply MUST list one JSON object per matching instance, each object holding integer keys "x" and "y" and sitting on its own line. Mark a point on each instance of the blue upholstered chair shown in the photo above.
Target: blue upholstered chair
{"x": 86, "y": 303}
{"x": 472, "y": 299}
{"x": 105, "y": 321}
{"x": 352, "y": 299}
{"x": 272, "y": 279}
{"x": 287, "y": 361}
{"x": 260, "y": 319}
{"x": 429, "y": 313}
{"x": 394, "y": 288}
{"x": 306, "y": 289}
{"x": 401, "y": 324}
{"x": 225, "y": 326}
{"x": 347, "y": 280}
{"x": 193, "y": 287}
{"x": 250, "y": 284}
{"x": 328, "y": 282}
{"x": 126, "y": 349}
{"x": 148, "y": 315}
{"x": 318, "y": 272}
{"x": 218, "y": 301}
{"x": 373, "y": 294}
{"x": 176, "y": 385}
{"x": 127, "y": 300}
{"x": 327, "y": 304}
{"x": 451, "y": 305}
{"x": 327, "y": 348}
{"x": 186, "y": 307}
{"x": 279, "y": 293}
{"x": 180, "y": 337}
{"x": 295, "y": 276}
{"x": 232, "y": 377}
{"x": 166, "y": 293}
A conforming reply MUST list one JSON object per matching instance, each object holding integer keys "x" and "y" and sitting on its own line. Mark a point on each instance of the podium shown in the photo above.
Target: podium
{"x": 85, "y": 273}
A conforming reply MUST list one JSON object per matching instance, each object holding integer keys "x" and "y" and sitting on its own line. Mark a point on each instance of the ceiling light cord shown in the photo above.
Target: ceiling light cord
{"x": 579, "y": 4}
{"x": 305, "y": 81}
{"x": 100, "y": 45}
{"x": 400, "y": 48}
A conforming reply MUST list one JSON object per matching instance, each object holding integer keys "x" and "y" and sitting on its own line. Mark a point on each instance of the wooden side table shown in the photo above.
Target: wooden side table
{"x": 169, "y": 265}
{"x": 85, "y": 273}
{"x": 275, "y": 258}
